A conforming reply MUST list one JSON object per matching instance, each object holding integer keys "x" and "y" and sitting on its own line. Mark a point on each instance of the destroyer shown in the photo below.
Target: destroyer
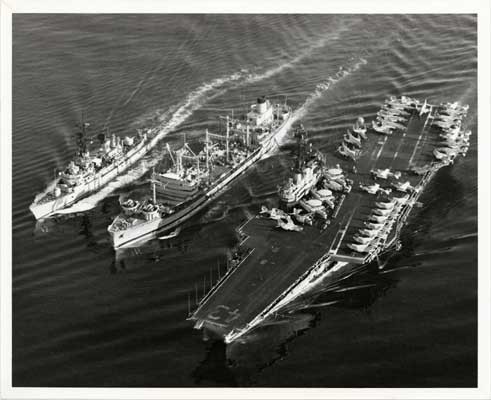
{"x": 352, "y": 214}
{"x": 97, "y": 162}
{"x": 196, "y": 179}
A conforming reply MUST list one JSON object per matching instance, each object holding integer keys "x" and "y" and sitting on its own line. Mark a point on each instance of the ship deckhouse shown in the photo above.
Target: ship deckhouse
{"x": 262, "y": 113}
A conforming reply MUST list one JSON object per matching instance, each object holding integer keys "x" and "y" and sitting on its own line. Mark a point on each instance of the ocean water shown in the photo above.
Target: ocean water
{"x": 84, "y": 315}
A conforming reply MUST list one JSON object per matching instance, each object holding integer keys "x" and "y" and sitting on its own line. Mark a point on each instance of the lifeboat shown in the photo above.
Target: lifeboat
{"x": 321, "y": 194}
{"x": 333, "y": 172}
{"x": 150, "y": 211}
{"x": 129, "y": 206}
{"x": 332, "y": 185}
{"x": 314, "y": 206}
{"x": 314, "y": 203}
{"x": 324, "y": 192}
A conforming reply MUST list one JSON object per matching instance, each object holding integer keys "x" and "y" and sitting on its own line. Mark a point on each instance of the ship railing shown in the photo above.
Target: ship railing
{"x": 228, "y": 173}
{"x": 381, "y": 240}
{"x": 220, "y": 282}
{"x": 234, "y": 334}
{"x": 239, "y": 229}
{"x": 406, "y": 209}
{"x": 338, "y": 206}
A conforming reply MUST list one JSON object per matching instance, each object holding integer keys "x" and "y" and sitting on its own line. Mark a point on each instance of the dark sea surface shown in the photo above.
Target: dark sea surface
{"x": 85, "y": 316}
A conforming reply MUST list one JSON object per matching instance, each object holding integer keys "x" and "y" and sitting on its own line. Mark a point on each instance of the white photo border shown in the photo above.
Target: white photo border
{"x": 479, "y": 7}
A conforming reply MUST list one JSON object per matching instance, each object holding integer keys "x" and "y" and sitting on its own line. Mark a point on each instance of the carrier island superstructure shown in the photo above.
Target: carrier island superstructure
{"x": 197, "y": 178}
{"x": 354, "y": 211}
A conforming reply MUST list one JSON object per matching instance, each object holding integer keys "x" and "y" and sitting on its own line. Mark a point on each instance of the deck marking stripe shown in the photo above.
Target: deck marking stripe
{"x": 335, "y": 236}
{"x": 207, "y": 296}
{"x": 417, "y": 145}
{"x": 398, "y": 148}
{"x": 381, "y": 148}
{"x": 346, "y": 228}
{"x": 427, "y": 136}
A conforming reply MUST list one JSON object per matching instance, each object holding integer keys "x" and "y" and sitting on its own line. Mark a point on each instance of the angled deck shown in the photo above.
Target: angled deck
{"x": 278, "y": 258}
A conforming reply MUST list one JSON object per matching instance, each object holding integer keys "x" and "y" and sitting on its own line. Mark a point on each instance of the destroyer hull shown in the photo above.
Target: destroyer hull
{"x": 51, "y": 207}
{"x": 280, "y": 266}
{"x": 143, "y": 231}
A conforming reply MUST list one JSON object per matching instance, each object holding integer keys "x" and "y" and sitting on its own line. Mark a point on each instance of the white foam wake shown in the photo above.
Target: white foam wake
{"x": 320, "y": 90}
{"x": 323, "y": 87}
{"x": 302, "y": 55}
{"x": 192, "y": 102}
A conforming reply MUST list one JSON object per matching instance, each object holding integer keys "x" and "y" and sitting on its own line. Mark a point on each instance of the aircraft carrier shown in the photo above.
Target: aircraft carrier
{"x": 385, "y": 170}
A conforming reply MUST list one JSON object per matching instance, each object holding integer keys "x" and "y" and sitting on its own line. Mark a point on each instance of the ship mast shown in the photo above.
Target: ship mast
{"x": 227, "y": 139}
{"x": 171, "y": 156}
{"x": 193, "y": 155}
{"x": 300, "y": 134}
{"x": 154, "y": 193}
{"x": 82, "y": 136}
{"x": 179, "y": 161}
{"x": 206, "y": 151}
{"x": 247, "y": 133}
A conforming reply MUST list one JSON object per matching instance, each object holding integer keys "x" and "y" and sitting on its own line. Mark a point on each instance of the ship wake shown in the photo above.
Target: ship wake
{"x": 182, "y": 112}
{"x": 169, "y": 121}
{"x": 312, "y": 99}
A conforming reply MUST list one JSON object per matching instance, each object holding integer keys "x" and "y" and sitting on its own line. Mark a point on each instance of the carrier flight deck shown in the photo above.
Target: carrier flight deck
{"x": 393, "y": 164}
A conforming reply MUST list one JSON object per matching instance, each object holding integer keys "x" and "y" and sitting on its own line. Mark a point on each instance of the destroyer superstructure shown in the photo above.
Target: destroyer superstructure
{"x": 360, "y": 215}
{"x": 196, "y": 179}
{"x": 98, "y": 161}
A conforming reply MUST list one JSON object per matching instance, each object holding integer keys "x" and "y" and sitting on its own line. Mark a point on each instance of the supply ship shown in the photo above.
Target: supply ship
{"x": 195, "y": 179}
{"x": 98, "y": 161}
{"x": 333, "y": 225}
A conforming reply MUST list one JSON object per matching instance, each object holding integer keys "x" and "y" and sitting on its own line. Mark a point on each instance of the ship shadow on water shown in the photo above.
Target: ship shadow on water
{"x": 217, "y": 221}
{"x": 239, "y": 363}
{"x": 62, "y": 226}
{"x": 444, "y": 194}
{"x": 153, "y": 251}
{"x": 195, "y": 238}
